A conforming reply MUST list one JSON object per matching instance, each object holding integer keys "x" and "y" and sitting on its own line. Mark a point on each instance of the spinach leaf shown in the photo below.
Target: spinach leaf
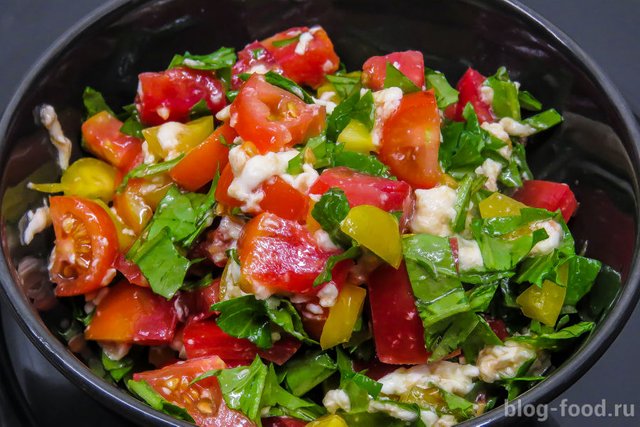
{"x": 143, "y": 390}
{"x": 94, "y": 102}
{"x": 145, "y": 170}
{"x": 117, "y": 369}
{"x": 481, "y": 295}
{"x": 582, "y": 274}
{"x": 528, "y": 101}
{"x": 199, "y": 109}
{"x": 395, "y": 78}
{"x": 326, "y": 276}
{"x": 461, "y": 408}
{"x": 356, "y": 107}
{"x": 345, "y": 84}
{"x": 224, "y": 57}
{"x": 543, "y": 121}
{"x": 445, "y": 94}
{"x": 329, "y": 211}
{"x": 288, "y": 85}
{"x": 358, "y": 386}
{"x": 131, "y": 125}
{"x": 505, "y": 95}
{"x": 602, "y": 295}
{"x": 555, "y": 341}
{"x": 469, "y": 185}
{"x": 364, "y": 111}
{"x": 304, "y": 373}
{"x": 481, "y": 336}
{"x": 368, "y": 164}
{"x": 275, "y": 396}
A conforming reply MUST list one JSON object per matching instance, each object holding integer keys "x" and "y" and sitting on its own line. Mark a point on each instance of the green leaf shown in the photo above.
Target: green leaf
{"x": 276, "y": 396}
{"x": 286, "y": 42}
{"x": 603, "y": 294}
{"x": 481, "y": 295}
{"x": 461, "y": 408}
{"x": 555, "y": 341}
{"x": 288, "y": 85}
{"x": 469, "y": 185}
{"x": 365, "y": 110}
{"x": 94, "y": 102}
{"x": 329, "y": 211}
{"x": 117, "y": 369}
{"x": 341, "y": 115}
{"x": 481, "y": 336}
{"x": 143, "y": 390}
{"x": 358, "y": 386}
{"x": 344, "y": 85}
{"x": 543, "y": 121}
{"x": 528, "y": 101}
{"x": 445, "y": 94}
{"x": 199, "y": 109}
{"x": 395, "y": 78}
{"x": 304, "y": 373}
{"x": 132, "y": 125}
{"x": 505, "y": 95}
{"x": 326, "y": 276}
{"x": 224, "y": 57}
{"x": 366, "y": 419}
{"x": 368, "y": 164}
{"x": 282, "y": 313}
{"x": 145, "y": 170}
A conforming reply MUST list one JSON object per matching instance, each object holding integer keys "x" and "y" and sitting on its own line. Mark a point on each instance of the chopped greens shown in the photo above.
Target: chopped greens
{"x": 224, "y": 57}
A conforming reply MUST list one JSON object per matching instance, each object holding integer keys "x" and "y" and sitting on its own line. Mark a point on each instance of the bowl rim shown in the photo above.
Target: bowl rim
{"x": 123, "y": 403}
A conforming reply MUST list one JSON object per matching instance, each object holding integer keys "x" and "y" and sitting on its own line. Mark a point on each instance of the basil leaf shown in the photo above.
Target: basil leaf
{"x": 145, "y": 170}
{"x": 395, "y": 78}
{"x": 528, "y": 101}
{"x": 368, "y": 164}
{"x": 326, "y": 276}
{"x": 117, "y": 369}
{"x": 461, "y": 408}
{"x": 355, "y": 382}
{"x": 225, "y": 57}
{"x": 132, "y": 125}
{"x": 445, "y": 94}
{"x": 365, "y": 110}
{"x": 543, "y": 121}
{"x": 329, "y": 211}
{"x": 555, "y": 341}
{"x": 582, "y": 275}
{"x": 341, "y": 115}
{"x": 345, "y": 85}
{"x": 282, "y": 313}
{"x": 303, "y": 374}
{"x": 276, "y": 396}
{"x": 94, "y": 102}
{"x": 199, "y": 109}
{"x": 143, "y": 390}
{"x": 537, "y": 269}
{"x": 288, "y": 85}
{"x": 505, "y": 95}
{"x": 318, "y": 152}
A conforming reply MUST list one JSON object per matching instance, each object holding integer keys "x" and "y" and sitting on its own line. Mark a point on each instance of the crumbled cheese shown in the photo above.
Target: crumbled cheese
{"x": 229, "y": 281}
{"x": 192, "y": 62}
{"x": 491, "y": 169}
{"x": 303, "y": 43}
{"x": 149, "y": 157}
{"x": 434, "y": 211}
{"x": 515, "y": 128}
{"x": 486, "y": 94}
{"x": 386, "y": 103}
{"x": 37, "y": 221}
{"x": 169, "y": 138}
{"x": 392, "y": 409}
{"x": 302, "y": 181}
{"x": 328, "y": 295}
{"x": 503, "y": 361}
{"x": 336, "y": 399}
{"x": 314, "y": 308}
{"x": 328, "y": 65}
{"x": 431, "y": 419}
{"x": 163, "y": 112}
{"x": 469, "y": 255}
{"x": 324, "y": 241}
{"x": 258, "y": 69}
{"x": 496, "y": 130}
{"x": 224, "y": 114}
{"x": 325, "y": 100}
{"x": 452, "y": 377}
{"x": 115, "y": 350}
{"x": 49, "y": 119}
{"x": 546, "y": 246}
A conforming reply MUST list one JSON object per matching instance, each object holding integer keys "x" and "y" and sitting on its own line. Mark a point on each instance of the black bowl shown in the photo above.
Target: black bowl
{"x": 595, "y": 150}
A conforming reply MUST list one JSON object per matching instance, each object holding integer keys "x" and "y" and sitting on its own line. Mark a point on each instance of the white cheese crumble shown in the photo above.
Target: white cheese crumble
{"x": 169, "y": 138}
{"x": 515, "y": 128}
{"x": 258, "y": 69}
{"x": 496, "y": 130}
{"x": 37, "y": 222}
{"x": 303, "y": 43}
{"x": 546, "y": 246}
{"x": 327, "y": 66}
{"x": 163, "y": 112}
{"x": 325, "y": 101}
{"x": 49, "y": 119}
{"x": 502, "y": 361}
{"x": 393, "y": 410}
{"x": 491, "y": 169}
{"x": 324, "y": 241}
{"x": 336, "y": 399}
{"x": 486, "y": 94}
{"x": 328, "y": 295}
{"x": 434, "y": 211}
{"x": 469, "y": 255}
{"x": 149, "y": 157}
{"x": 386, "y": 103}
{"x": 224, "y": 114}
{"x": 314, "y": 308}
{"x": 229, "y": 282}
{"x": 452, "y": 377}
{"x": 192, "y": 62}
{"x": 431, "y": 419}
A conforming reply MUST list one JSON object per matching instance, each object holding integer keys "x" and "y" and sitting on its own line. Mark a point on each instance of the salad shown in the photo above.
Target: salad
{"x": 266, "y": 238}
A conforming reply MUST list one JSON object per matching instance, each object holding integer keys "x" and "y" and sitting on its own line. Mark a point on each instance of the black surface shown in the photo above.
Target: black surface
{"x": 27, "y": 27}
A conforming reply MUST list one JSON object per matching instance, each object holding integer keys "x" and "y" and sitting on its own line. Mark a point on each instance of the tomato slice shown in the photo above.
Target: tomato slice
{"x": 200, "y": 164}
{"x": 205, "y": 338}
{"x": 282, "y": 422}
{"x": 130, "y": 271}
{"x": 198, "y": 302}
{"x": 203, "y": 399}
{"x": 305, "y": 54}
{"x": 548, "y": 195}
{"x": 136, "y": 203}
{"x": 102, "y": 137}
{"x": 283, "y": 200}
{"x": 397, "y": 328}
{"x": 279, "y": 255}
{"x": 469, "y": 88}
{"x": 410, "y": 63}
{"x": 169, "y": 95}
{"x": 254, "y": 58}
{"x": 133, "y": 314}
{"x": 362, "y": 189}
{"x": 411, "y": 140}
{"x": 273, "y": 118}
{"x": 86, "y": 246}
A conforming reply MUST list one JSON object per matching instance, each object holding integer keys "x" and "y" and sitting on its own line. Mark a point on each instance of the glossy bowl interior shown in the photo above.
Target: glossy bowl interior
{"x": 595, "y": 150}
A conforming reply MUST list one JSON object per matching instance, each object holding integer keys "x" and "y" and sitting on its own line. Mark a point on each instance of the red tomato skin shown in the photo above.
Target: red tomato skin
{"x": 282, "y": 422}
{"x": 280, "y": 255}
{"x": 283, "y": 200}
{"x": 548, "y": 195}
{"x": 411, "y": 140}
{"x": 310, "y": 67}
{"x": 498, "y": 327}
{"x": 130, "y": 271}
{"x": 469, "y": 88}
{"x": 207, "y": 390}
{"x": 133, "y": 314}
{"x": 199, "y": 301}
{"x": 363, "y": 189}
{"x": 272, "y": 118}
{"x": 410, "y": 63}
{"x": 222, "y": 196}
{"x": 100, "y": 231}
{"x": 169, "y": 95}
{"x": 254, "y": 55}
{"x": 102, "y": 137}
{"x": 205, "y": 338}
{"x": 397, "y": 328}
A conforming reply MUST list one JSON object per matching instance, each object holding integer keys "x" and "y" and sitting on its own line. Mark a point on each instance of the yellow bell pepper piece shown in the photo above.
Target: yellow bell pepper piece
{"x": 356, "y": 137}
{"x": 342, "y": 316}
{"x": 86, "y": 177}
{"x": 328, "y": 87}
{"x": 328, "y": 421}
{"x": 171, "y": 139}
{"x": 126, "y": 236}
{"x": 376, "y": 230}
{"x": 542, "y": 303}
{"x": 499, "y": 205}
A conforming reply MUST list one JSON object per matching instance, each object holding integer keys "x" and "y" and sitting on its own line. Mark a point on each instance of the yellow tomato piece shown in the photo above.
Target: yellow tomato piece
{"x": 542, "y": 303}
{"x": 499, "y": 205}
{"x": 126, "y": 236}
{"x": 424, "y": 397}
{"x": 328, "y": 421}
{"x": 171, "y": 139}
{"x": 376, "y": 230}
{"x": 87, "y": 177}
{"x": 356, "y": 137}
{"x": 342, "y": 316}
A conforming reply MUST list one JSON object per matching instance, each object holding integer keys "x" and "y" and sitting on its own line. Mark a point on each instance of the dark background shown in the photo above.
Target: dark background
{"x": 32, "y": 392}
